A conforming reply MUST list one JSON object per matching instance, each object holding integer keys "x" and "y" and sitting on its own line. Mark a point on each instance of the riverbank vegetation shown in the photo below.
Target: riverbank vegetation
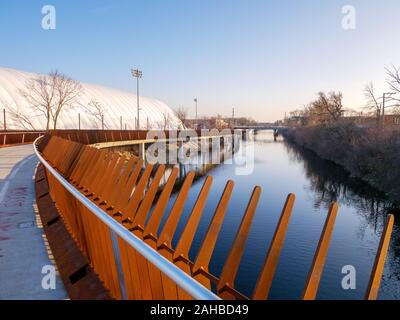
{"x": 368, "y": 146}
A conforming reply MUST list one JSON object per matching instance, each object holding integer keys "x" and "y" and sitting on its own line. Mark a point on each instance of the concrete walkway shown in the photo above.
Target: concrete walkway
{"x": 24, "y": 252}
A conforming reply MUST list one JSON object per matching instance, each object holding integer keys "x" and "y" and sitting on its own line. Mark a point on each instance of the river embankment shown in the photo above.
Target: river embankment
{"x": 370, "y": 154}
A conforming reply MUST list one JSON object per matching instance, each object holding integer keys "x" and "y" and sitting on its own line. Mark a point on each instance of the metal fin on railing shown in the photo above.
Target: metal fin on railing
{"x": 379, "y": 264}
{"x": 228, "y": 275}
{"x": 268, "y": 271}
{"x": 204, "y": 256}
{"x": 145, "y": 206}
{"x": 164, "y": 242}
{"x": 167, "y": 233}
{"x": 154, "y": 221}
{"x": 187, "y": 236}
{"x": 314, "y": 277}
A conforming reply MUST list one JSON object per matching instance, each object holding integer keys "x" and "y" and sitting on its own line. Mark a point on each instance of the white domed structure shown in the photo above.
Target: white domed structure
{"x": 115, "y": 104}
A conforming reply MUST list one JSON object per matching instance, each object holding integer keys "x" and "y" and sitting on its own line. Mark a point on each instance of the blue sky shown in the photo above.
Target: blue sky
{"x": 261, "y": 57}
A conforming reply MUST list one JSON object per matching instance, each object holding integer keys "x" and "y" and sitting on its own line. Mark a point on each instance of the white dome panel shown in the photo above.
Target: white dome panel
{"x": 115, "y": 103}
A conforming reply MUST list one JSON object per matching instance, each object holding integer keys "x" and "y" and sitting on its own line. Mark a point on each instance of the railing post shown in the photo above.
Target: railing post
{"x": 142, "y": 152}
{"x": 4, "y": 120}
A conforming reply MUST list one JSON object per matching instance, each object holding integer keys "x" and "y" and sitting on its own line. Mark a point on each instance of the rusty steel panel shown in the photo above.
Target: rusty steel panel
{"x": 231, "y": 266}
{"x": 267, "y": 274}
{"x": 164, "y": 243}
{"x": 168, "y": 231}
{"x": 314, "y": 277}
{"x": 145, "y": 206}
{"x": 204, "y": 256}
{"x": 137, "y": 196}
{"x": 125, "y": 194}
{"x": 153, "y": 224}
{"x": 186, "y": 239}
{"x": 379, "y": 264}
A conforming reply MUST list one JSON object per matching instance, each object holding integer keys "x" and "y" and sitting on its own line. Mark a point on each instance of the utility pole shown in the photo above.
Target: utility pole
{"x": 102, "y": 122}
{"x": 79, "y": 121}
{"x": 195, "y": 104}
{"x": 120, "y": 122}
{"x": 233, "y": 118}
{"x": 136, "y": 73}
{"x": 383, "y": 107}
{"x": 4, "y": 120}
{"x": 195, "y": 101}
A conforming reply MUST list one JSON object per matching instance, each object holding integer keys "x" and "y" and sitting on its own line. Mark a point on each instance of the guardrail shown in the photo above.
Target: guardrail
{"x": 18, "y": 137}
{"x": 99, "y": 136}
{"x": 90, "y": 137}
{"x": 192, "y": 287}
{"x": 105, "y": 200}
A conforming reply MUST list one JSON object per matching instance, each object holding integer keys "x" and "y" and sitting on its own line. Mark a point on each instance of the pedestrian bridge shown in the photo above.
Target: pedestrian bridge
{"x": 102, "y": 212}
{"x": 105, "y": 200}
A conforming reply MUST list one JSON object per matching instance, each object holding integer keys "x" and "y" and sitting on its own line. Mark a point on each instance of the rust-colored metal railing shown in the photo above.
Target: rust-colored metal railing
{"x": 15, "y": 137}
{"x": 105, "y": 201}
{"x": 89, "y": 137}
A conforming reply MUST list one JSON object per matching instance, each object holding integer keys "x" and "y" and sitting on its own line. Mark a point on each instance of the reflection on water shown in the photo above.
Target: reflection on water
{"x": 279, "y": 169}
{"x": 330, "y": 182}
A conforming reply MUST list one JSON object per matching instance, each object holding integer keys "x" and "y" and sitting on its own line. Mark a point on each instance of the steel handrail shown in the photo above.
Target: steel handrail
{"x": 181, "y": 278}
{"x": 21, "y": 132}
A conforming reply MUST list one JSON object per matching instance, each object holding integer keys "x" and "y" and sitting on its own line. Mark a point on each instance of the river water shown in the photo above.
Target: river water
{"x": 280, "y": 168}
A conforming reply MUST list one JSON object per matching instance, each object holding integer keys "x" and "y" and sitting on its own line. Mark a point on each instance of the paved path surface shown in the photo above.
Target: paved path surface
{"x": 24, "y": 252}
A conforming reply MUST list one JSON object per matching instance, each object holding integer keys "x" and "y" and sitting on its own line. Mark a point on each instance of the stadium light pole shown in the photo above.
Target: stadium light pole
{"x": 136, "y": 73}
{"x": 4, "y": 120}
{"x": 195, "y": 101}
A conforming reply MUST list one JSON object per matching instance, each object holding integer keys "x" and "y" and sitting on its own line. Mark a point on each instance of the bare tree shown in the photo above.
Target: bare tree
{"x": 394, "y": 83}
{"x": 372, "y": 101}
{"x": 165, "y": 123}
{"x": 40, "y": 94}
{"x": 97, "y": 111}
{"x": 50, "y": 94}
{"x": 396, "y": 110}
{"x": 67, "y": 93}
{"x": 393, "y": 79}
{"x": 182, "y": 114}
